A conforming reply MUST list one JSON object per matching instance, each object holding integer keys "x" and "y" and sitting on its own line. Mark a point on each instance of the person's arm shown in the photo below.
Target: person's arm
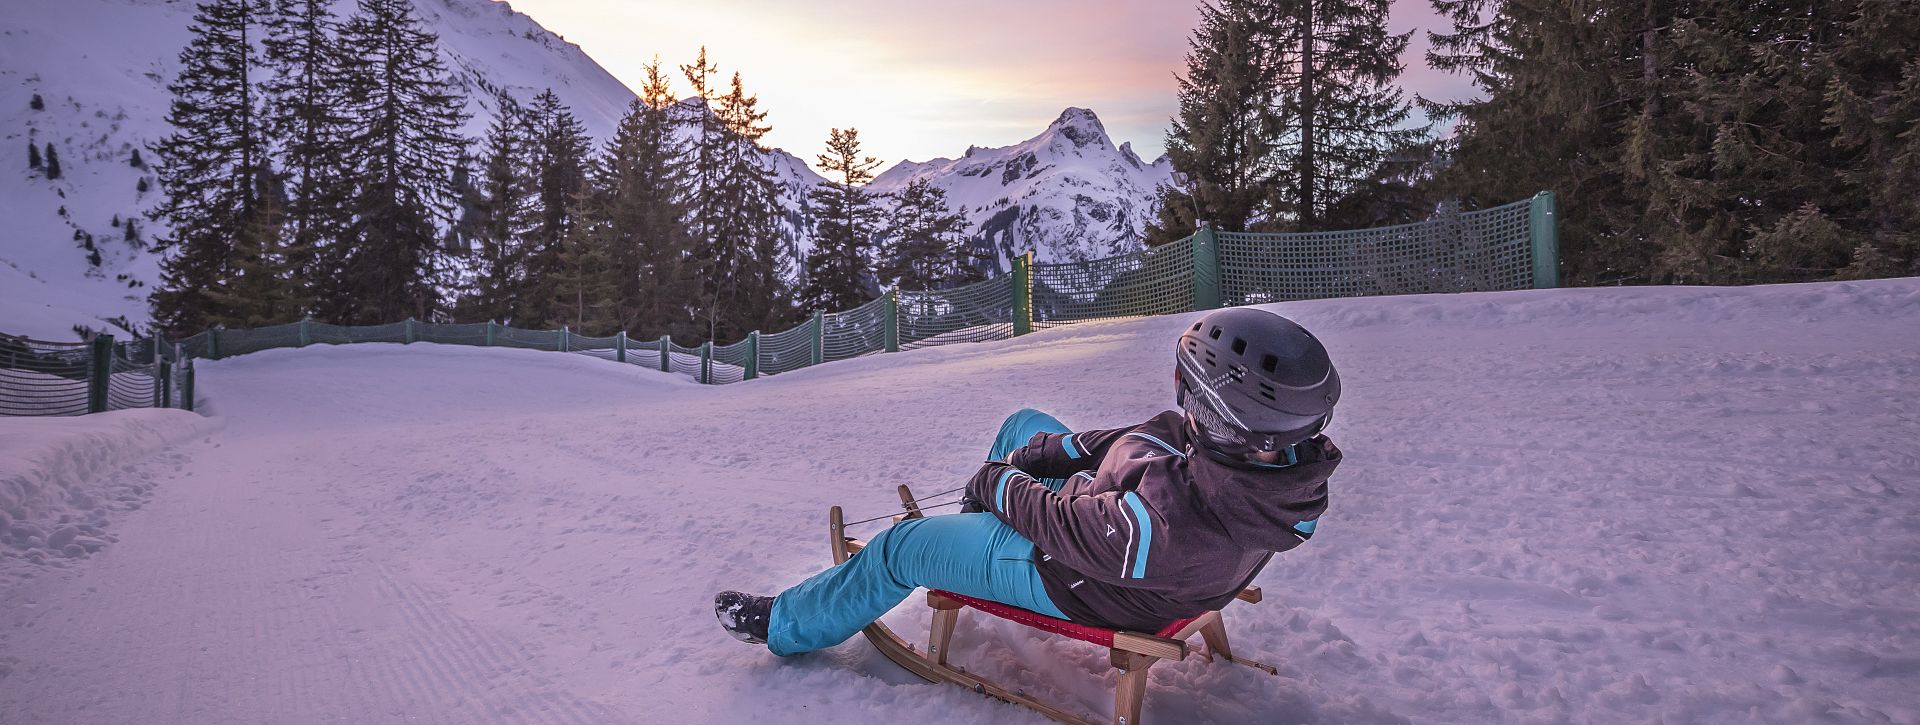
{"x": 1059, "y": 455}
{"x": 1105, "y": 536}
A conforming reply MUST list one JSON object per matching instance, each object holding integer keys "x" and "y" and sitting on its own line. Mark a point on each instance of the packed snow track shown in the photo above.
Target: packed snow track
{"x": 1609, "y": 505}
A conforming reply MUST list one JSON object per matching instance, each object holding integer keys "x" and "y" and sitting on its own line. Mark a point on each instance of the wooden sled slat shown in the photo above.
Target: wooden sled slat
{"x": 1132, "y": 653}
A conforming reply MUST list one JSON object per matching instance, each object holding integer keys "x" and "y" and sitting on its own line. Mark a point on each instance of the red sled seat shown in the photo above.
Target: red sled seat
{"x": 1130, "y": 652}
{"x": 1085, "y": 633}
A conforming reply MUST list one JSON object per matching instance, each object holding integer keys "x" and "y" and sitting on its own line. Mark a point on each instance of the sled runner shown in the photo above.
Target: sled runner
{"x": 1132, "y": 653}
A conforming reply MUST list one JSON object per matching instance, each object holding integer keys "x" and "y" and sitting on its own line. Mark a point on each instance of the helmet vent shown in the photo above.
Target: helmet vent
{"x": 1269, "y": 362}
{"x": 1210, "y": 358}
{"x": 1196, "y": 327}
{"x": 1239, "y": 346}
{"x": 1266, "y": 391}
{"x": 1214, "y": 333}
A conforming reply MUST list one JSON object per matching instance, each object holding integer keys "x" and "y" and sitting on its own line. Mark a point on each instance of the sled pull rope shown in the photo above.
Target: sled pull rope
{"x": 915, "y": 507}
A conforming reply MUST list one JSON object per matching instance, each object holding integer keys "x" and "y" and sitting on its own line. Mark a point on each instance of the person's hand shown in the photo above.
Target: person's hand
{"x": 980, "y": 487}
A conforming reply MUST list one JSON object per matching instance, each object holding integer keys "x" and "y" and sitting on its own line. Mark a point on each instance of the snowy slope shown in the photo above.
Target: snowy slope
{"x": 1068, "y": 193}
{"x": 1604, "y": 505}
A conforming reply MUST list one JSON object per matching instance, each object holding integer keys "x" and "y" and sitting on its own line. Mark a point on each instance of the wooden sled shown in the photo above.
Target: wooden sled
{"x": 1132, "y": 653}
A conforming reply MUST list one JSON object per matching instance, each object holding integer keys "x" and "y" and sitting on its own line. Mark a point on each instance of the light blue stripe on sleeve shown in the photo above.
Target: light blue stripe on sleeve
{"x": 1306, "y": 527}
{"x": 1163, "y": 444}
{"x": 1146, "y": 533}
{"x": 1000, "y": 490}
{"x": 1067, "y": 443}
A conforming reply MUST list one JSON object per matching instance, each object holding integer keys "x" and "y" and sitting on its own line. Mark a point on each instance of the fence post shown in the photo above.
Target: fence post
{"x": 563, "y": 338}
{"x": 153, "y": 370}
{"x": 706, "y": 363}
{"x": 489, "y": 333}
{"x": 186, "y": 387}
{"x": 819, "y": 337}
{"x": 666, "y": 350}
{"x": 890, "y": 324}
{"x": 1023, "y": 294}
{"x": 620, "y": 346}
{"x": 213, "y": 343}
{"x": 1206, "y": 268}
{"x": 306, "y": 331}
{"x": 1543, "y": 217}
{"x": 99, "y": 373}
{"x": 753, "y": 355}
{"x": 409, "y": 338}
{"x": 165, "y": 392}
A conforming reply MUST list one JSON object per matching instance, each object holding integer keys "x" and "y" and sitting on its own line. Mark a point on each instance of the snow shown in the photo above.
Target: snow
{"x": 1069, "y": 194}
{"x": 56, "y": 494}
{"x": 1614, "y": 505}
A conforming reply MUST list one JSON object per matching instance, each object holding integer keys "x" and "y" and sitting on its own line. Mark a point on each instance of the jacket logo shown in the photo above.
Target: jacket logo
{"x": 1111, "y": 531}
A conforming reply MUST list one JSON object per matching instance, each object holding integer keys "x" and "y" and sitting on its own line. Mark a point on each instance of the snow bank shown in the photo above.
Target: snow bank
{"x": 58, "y": 488}
{"x": 1595, "y": 505}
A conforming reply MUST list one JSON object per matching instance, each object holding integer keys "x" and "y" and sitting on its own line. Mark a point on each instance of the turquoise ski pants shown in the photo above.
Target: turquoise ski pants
{"x": 972, "y": 554}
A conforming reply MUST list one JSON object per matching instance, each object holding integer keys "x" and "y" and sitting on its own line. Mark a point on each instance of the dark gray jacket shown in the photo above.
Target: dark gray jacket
{"x": 1147, "y": 530}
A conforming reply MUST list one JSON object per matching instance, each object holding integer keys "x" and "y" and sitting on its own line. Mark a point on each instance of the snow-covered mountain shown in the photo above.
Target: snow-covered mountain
{"x": 1068, "y": 193}
{"x": 101, "y": 67}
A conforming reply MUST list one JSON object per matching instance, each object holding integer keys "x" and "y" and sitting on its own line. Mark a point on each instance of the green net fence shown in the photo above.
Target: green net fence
{"x": 38, "y": 377}
{"x": 1155, "y": 281}
{"x": 1507, "y": 247}
{"x": 1452, "y": 252}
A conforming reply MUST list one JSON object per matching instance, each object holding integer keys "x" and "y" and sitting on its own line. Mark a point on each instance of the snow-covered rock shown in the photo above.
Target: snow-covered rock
{"x": 1069, "y": 193}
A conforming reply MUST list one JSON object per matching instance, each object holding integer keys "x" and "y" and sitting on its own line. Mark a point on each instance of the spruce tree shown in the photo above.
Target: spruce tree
{"x": 634, "y": 214}
{"x": 500, "y": 213}
{"x": 1339, "y": 105}
{"x": 558, "y": 148}
{"x": 1223, "y": 140}
{"x": 750, "y": 290}
{"x": 33, "y": 155}
{"x": 36, "y": 103}
{"x": 1706, "y": 142}
{"x": 53, "y": 162}
{"x": 211, "y": 165}
{"x": 926, "y": 242}
{"x": 839, "y": 271}
{"x": 404, "y": 119}
{"x": 306, "y": 98}
{"x": 135, "y": 161}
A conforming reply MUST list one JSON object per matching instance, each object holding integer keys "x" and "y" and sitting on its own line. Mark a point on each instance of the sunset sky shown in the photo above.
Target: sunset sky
{"x": 927, "y": 79}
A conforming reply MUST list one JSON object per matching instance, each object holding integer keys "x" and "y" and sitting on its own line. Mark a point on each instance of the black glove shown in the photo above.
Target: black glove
{"x": 1034, "y": 450}
{"x": 980, "y": 487}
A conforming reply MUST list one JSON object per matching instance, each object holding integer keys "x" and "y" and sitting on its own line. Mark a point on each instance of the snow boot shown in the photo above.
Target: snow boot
{"x": 743, "y": 615}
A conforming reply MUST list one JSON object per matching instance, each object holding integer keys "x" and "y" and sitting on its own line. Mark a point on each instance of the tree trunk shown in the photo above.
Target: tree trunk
{"x": 1307, "y": 71}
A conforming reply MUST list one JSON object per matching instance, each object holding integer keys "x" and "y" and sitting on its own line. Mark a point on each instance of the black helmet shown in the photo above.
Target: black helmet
{"x": 1252, "y": 381}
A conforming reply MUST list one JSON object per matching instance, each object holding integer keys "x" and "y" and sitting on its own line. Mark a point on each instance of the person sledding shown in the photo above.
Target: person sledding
{"x": 1129, "y": 528}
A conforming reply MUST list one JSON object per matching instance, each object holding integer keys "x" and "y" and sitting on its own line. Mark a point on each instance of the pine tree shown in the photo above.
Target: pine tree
{"x": 36, "y": 103}
{"x": 500, "y": 213}
{"x": 136, "y": 161}
{"x": 33, "y": 155}
{"x": 1707, "y": 142}
{"x": 260, "y": 290}
{"x": 926, "y": 242}
{"x": 839, "y": 271}
{"x": 306, "y": 97}
{"x": 558, "y": 148}
{"x": 405, "y": 115}
{"x": 751, "y": 290}
{"x": 1342, "y": 113}
{"x": 1223, "y": 140}
{"x": 53, "y": 162}
{"x": 635, "y": 214}
{"x": 211, "y": 165}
